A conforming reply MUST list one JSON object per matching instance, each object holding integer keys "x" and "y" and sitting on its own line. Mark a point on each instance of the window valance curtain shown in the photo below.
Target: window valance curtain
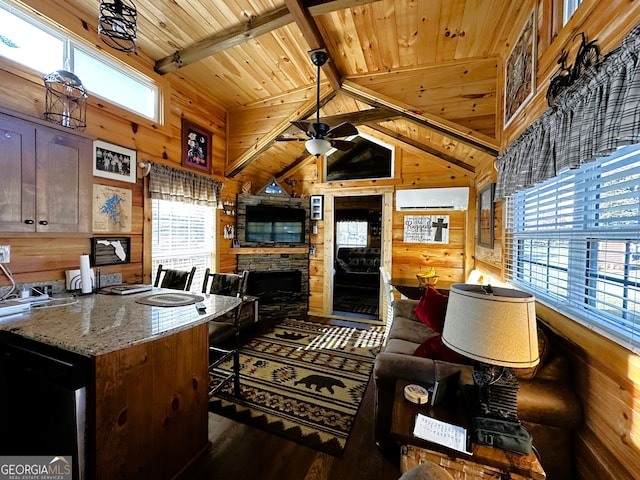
{"x": 592, "y": 118}
{"x": 168, "y": 183}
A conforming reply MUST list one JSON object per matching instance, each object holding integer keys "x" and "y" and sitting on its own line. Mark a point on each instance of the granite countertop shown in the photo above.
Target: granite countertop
{"x": 96, "y": 324}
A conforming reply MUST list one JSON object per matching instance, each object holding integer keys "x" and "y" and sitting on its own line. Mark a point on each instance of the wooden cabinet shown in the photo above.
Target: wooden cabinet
{"x": 46, "y": 178}
{"x": 151, "y": 406}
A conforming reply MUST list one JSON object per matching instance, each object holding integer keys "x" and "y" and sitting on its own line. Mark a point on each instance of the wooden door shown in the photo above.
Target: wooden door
{"x": 64, "y": 179}
{"x": 18, "y": 178}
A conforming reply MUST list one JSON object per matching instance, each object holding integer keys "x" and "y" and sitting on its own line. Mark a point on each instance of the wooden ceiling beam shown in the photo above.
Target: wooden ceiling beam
{"x": 298, "y": 161}
{"x": 235, "y": 35}
{"x": 312, "y": 35}
{"x": 423, "y": 148}
{"x": 469, "y": 137}
{"x": 243, "y": 32}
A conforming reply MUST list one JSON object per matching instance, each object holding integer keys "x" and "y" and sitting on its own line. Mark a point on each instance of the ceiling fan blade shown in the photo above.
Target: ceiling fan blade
{"x": 290, "y": 139}
{"x": 304, "y": 126}
{"x": 343, "y": 130}
{"x": 342, "y": 145}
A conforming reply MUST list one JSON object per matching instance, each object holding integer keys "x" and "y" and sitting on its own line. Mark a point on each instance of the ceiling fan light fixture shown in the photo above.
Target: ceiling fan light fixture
{"x": 317, "y": 146}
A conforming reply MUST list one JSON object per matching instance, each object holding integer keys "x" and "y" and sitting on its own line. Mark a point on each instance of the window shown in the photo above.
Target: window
{"x": 575, "y": 243}
{"x": 369, "y": 158}
{"x": 25, "y": 40}
{"x": 351, "y": 233}
{"x": 105, "y": 79}
{"x": 183, "y": 236}
{"x": 570, "y": 6}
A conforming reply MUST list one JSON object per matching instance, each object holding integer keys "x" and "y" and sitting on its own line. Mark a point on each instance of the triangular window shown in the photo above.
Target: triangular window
{"x": 273, "y": 187}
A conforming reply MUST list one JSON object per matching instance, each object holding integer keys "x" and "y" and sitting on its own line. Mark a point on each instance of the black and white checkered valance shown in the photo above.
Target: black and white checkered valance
{"x": 591, "y": 119}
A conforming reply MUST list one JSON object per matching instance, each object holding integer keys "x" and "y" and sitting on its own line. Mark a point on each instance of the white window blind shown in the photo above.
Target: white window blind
{"x": 183, "y": 236}
{"x": 570, "y": 6}
{"x": 574, "y": 241}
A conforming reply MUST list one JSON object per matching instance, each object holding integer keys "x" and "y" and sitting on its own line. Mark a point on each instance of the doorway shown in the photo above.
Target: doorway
{"x": 357, "y": 241}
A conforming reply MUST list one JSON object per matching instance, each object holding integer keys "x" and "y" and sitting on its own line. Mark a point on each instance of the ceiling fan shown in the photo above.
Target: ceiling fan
{"x": 322, "y": 138}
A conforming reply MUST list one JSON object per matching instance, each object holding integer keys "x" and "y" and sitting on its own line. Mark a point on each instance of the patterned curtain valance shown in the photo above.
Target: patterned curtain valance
{"x": 591, "y": 119}
{"x": 168, "y": 183}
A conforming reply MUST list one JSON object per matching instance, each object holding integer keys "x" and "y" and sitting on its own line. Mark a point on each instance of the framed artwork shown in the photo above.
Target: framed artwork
{"x": 112, "y": 208}
{"x": 110, "y": 250}
{"x": 426, "y": 229}
{"x": 196, "y": 147}
{"x": 114, "y": 162}
{"x": 486, "y": 215}
{"x": 519, "y": 72}
{"x": 316, "y": 207}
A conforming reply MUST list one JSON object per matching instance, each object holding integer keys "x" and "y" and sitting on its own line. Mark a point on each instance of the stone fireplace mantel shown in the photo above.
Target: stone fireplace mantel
{"x": 267, "y": 250}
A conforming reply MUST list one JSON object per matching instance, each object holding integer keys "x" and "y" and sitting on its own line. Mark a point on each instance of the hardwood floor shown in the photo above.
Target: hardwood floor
{"x": 240, "y": 452}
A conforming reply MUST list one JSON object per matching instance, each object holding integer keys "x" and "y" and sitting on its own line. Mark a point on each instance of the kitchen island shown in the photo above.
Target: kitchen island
{"x": 146, "y": 395}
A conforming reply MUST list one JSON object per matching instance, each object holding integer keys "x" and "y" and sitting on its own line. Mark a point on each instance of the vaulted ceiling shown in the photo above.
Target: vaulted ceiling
{"x": 423, "y": 72}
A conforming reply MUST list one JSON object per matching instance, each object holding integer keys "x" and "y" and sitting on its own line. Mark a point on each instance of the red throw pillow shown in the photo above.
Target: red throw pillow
{"x": 431, "y": 309}
{"x": 434, "y": 349}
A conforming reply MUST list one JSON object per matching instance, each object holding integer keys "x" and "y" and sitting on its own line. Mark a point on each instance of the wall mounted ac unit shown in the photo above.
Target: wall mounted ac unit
{"x": 452, "y": 198}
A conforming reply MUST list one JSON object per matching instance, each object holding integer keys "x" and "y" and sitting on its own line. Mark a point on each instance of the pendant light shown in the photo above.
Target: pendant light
{"x": 117, "y": 24}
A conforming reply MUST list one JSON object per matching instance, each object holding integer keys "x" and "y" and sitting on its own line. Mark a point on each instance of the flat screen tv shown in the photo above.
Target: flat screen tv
{"x": 270, "y": 224}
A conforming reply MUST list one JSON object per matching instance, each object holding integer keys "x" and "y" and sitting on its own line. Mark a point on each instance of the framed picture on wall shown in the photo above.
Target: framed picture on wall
{"x": 486, "y": 214}
{"x": 114, "y": 162}
{"x": 110, "y": 250}
{"x": 519, "y": 72}
{"x": 196, "y": 147}
{"x": 316, "y": 207}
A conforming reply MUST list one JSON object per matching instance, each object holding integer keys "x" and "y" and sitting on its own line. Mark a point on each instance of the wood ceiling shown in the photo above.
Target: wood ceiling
{"x": 424, "y": 72}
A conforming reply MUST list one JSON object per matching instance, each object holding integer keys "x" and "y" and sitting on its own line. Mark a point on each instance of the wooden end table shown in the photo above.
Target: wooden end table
{"x": 485, "y": 462}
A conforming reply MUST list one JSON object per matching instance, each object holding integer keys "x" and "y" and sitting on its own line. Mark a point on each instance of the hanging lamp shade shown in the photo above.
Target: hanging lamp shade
{"x": 317, "y": 146}
{"x": 66, "y": 100}
{"x": 117, "y": 24}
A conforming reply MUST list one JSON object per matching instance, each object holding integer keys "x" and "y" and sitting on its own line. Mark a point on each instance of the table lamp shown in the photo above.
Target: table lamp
{"x": 497, "y": 328}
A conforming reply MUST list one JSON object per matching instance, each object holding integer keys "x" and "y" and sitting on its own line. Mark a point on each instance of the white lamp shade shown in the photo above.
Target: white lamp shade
{"x": 498, "y": 328}
{"x": 317, "y": 146}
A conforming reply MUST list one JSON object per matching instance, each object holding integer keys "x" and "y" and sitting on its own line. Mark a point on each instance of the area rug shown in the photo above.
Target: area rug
{"x": 303, "y": 381}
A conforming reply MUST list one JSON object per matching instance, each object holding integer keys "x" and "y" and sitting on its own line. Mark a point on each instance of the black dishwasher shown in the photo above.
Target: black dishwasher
{"x": 43, "y": 392}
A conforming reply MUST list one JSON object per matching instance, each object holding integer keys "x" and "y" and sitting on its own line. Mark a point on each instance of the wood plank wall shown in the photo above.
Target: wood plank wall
{"x": 411, "y": 171}
{"x": 605, "y": 375}
{"x": 38, "y": 258}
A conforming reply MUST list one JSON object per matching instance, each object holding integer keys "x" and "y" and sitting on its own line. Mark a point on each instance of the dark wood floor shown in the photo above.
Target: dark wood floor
{"x": 241, "y": 452}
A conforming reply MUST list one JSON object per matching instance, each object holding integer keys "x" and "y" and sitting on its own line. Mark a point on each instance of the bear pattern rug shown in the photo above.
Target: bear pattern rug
{"x": 303, "y": 381}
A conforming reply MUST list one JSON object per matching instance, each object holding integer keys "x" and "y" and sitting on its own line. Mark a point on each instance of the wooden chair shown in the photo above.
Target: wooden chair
{"x": 176, "y": 279}
{"x": 224, "y": 343}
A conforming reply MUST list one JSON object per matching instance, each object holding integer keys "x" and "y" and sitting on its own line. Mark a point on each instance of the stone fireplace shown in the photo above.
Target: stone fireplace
{"x": 280, "y": 279}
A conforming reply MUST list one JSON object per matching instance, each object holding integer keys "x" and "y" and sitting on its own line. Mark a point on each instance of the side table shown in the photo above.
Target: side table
{"x": 485, "y": 462}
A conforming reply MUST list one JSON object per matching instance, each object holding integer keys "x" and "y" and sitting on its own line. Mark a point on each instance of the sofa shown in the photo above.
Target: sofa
{"x": 547, "y": 406}
{"x": 358, "y": 267}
